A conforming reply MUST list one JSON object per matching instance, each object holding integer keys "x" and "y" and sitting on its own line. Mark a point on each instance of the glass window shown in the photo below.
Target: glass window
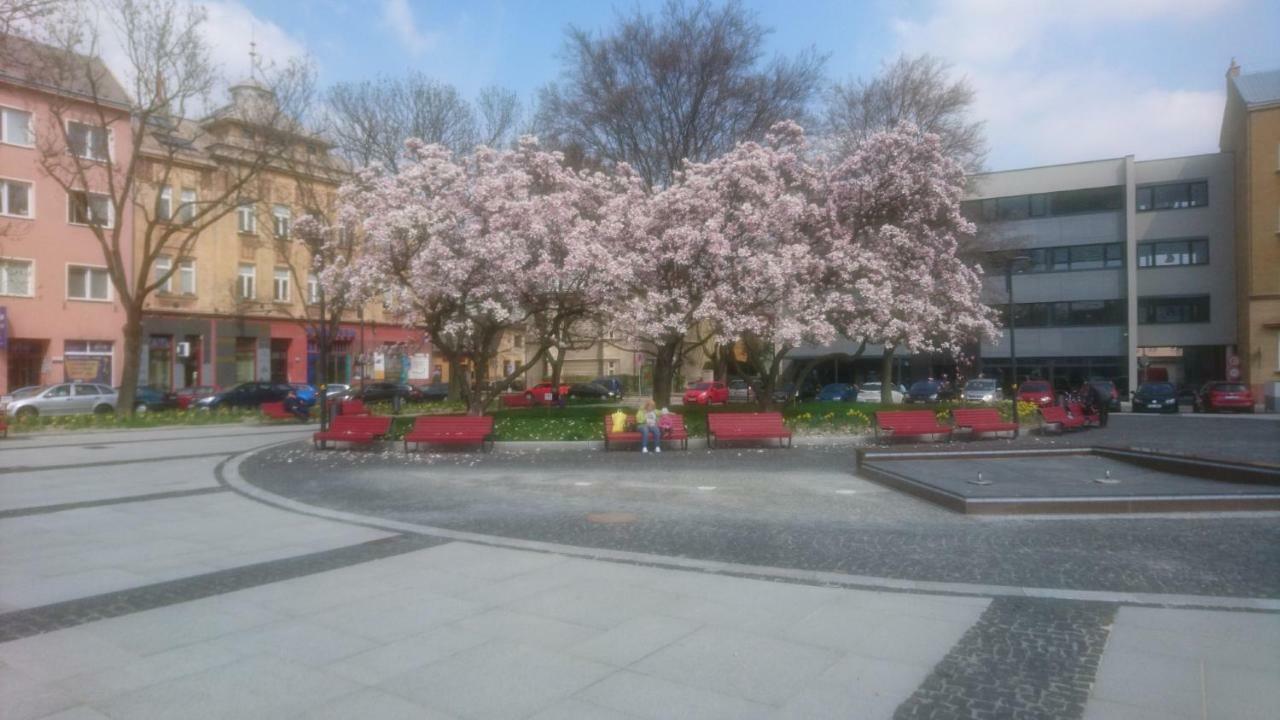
{"x": 989, "y": 213}
{"x": 1039, "y": 261}
{"x": 15, "y": 198}
{"x": 59, "y": 391}
{"x": 1061, "y": 259}
{"x": 83, "y": 389}
{"x": 164, "y": 204}
{"x": 15, "y": 277}
{"x": 1088, "y": 312}
{"x": 1145, "y": 198}
{"x": 1060, "y": 314}
{"x": 87, "y": 283}
{"x": 1162, "y": 310}
{"x": 281, "y": 215}
{"x": 86, "y": 208}
{"x": 88, "y": 141}
{"x": 247, "y": 281}
{"x": 1113, "y": 255}
{"x": 162, "y": 267}
{"x": 1199, "y": 252}
{"x": 313, "y": 288}
{"x": 187, "y": 211}
{"x": 246, "y": 359}
{"x": 187, "y": 277}
{"x": 1039, "y": 205}
{"x": 1173, "y": 196}
{"x": 15, "y": 127}
{"x": 1173, "y": 253}
{"x": 1070, "y": 202}
{"x": 280, "y": 285}
{"x": 1013, "y": 208}
{"x": 247, "y": 219}
{"x": 1199, "y": 194}
{"x": 1086, "y": 257}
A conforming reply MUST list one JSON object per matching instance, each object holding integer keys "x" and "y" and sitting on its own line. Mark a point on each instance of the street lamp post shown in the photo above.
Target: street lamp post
{"x": 1013, "y": 352}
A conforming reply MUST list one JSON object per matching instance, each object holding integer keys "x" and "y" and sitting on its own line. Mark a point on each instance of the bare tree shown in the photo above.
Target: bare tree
{"x": 687, "y": 84}
{"x": 919, "y": 90}
{"x": 22, "y": 15}
{"x": 370, "y": 120}
{"x": 169, "y": 74}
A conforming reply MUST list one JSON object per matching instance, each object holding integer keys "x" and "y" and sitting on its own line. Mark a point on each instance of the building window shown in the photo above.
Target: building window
{"x": 1173, "y": 253}
{"x": 1076, "y": 313}
{"x": 280, "y": 285}
{"x": 15, "y": 277}
{"x": 15, "y": 198}
{"x": 1172, "y": 310}
{"x": 280, "y": 215}
{"x": 313, "y": 289}
{"x": 88, "y": 283}
{"x": 162, "y": 267}
{"x": 91, "y": 142}
{"x": 187, "y": 210}
{"x": 15, "y": 127}
{"x": 246, "y": 359}
{"x": 1173, "y": 196}
{"x": 246, "y": 281}
{"x": 247, "y": 219}
{"x": 1065, "y": 259}
{"x": 187, "y": 277}
{"x": 87, "y": 360}
{"x": 86, "y": 208}
{"x": 164, "y": 204}
{"x": 1064, "y": 202}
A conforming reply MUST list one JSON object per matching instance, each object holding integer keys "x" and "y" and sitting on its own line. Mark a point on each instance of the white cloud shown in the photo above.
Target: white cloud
{"x": 1042, "y": 109}
{"x": 397, "y": 16}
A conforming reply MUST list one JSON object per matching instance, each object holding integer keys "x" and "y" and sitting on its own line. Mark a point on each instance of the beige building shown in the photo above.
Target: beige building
{"x": 1251, "y": 130}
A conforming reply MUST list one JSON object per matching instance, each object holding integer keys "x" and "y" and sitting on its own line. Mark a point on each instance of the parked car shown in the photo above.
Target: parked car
{"x": 837, "y": 392}
{"x": 1037, "y": 392}
{"x": 61, "y": 399}
{"x": 336, "y": 390}
{"x": 613, "y": 382}
{"x": 543, "y": 390}
{"x": 431, "y": 392}
{"x": 1159, "y": 397}
{"x": 306, "y": 393}
{"x": 1218, "y": 396}
{"x": 591, "y": 391}
{"x": 147, "y": 398}
{"x": 244, "y": 395}
{"x": 925, "y": 391}
{"x": 707, "y": 393}
{"x": 741, "y": 391}
{"x": 375, "y": 391}
{"x": 982, "y": 390}
{"x": 785, "y": 394}
{"x": 188, "y": 395}
{"x": 869, "y": 392}
{"x": 1108, "y": 389}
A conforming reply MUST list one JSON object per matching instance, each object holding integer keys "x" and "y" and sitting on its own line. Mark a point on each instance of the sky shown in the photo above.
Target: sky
{"x": 1057, "y": 80}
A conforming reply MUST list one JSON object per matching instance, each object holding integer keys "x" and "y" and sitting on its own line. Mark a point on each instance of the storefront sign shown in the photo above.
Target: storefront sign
{"x": 81, "y": 369}
{"x": 420, "y": 366}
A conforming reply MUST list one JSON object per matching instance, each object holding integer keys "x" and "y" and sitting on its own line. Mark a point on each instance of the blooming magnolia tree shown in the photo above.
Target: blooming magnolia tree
{"x": 474, "y": 246}
{"x": 898, "y": 280}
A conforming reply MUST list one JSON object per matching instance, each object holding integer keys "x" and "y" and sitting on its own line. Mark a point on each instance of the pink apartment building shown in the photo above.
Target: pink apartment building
{"x": 59, "y": 318}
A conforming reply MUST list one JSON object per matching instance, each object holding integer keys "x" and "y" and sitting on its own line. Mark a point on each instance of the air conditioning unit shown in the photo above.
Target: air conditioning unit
{"x": 184, "y": 349}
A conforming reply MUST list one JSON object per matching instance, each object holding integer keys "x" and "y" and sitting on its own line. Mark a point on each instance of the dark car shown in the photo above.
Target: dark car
{"x": 1156, "y": 397}
{"x": 1108, "y": 390}
{"x": 838, "y": 392}
{"x": 188, "y": 395}
{"x": 375, "y": 391}
{"x": 244, "y": 395}
{"x": 1219, "y": 396}
{"x": 613, "y": 382}
{"x": 591, "y": 391}
{"x": 430, "y": 392}
{"x": 926, "y": 391}
{"x": 149, "y": 399}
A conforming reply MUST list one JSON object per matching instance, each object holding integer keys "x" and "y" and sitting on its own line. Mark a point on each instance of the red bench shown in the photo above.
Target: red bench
{"x": 276, "y": 411}
{"x": 1054, "y": 415}
{"x": 4, "y": 428}
{"x": 352, "y": 407}
{"x": 981, "y": 420}
{"x": 632, "y": 435}
{"x": 1078, "y": 410}
{"x": 515, "y": 400}
{"x": 353, "y": 429}
{"x": 910, "y": 423}
{"x": 746, "y": 426}
{"x": 451, "y": 430}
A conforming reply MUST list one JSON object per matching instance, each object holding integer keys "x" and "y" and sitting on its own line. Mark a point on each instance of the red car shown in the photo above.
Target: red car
{"x": 1218, "y": 396}
{"x": 1039, "y": 392}
{"x": 541, "y": 392}
{"x": 707, "y": 393}
{"x": 188, "y": 395}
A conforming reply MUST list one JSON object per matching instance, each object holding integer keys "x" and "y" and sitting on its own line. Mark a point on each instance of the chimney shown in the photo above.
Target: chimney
{"x": 1234, "y": 70}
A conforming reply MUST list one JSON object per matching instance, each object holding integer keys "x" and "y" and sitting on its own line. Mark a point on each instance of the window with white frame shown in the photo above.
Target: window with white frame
{"x": 280, "y": 285}
{"x": 15, "y": 277}
{"x": 313, "y": 289}
{"x": 16, "y": 128}
{"x": 15, "y": 198}
{"x": 246, "y": 281}
{"x": 162, "y": 267}
{"x": 86, "y": 208}
{"x": 281, "y": 215}
{"x": 91, "y": 142}
{"x": 187, "y": 277}
{"x": 187, "y": 210}
{"x": 88, "y": 283}
{"x": 164, "y": 204}
{"x": 247, "y": 219}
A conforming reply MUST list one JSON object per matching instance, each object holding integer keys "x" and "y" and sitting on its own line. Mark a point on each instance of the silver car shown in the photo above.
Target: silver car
{"x": 63, "y": 399}
{"x": 740, "y": 391}
{"x": 983, "y": 390}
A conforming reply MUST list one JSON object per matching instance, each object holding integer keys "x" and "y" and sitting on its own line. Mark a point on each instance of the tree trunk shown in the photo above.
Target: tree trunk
{"x": 323, "y": 343}
{"x": 886, "y": 375}
{"x": 664, "y": 371}
{"x": 557, "y": 365}
{"x": 456, "y": 380}
{"x": 478, "y": 397}
{"x": 769, "y": 379}
{"x": 132, "y": 363}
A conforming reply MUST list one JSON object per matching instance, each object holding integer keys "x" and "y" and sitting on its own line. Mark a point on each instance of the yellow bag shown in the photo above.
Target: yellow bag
{"x": 619, "y": 421}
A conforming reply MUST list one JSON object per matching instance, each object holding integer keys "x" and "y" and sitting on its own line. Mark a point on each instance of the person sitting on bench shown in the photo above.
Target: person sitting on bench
{"x": 294, "y": 405}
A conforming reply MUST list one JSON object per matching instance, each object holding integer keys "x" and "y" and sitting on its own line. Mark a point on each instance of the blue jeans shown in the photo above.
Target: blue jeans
{"x": 647, "y": 432}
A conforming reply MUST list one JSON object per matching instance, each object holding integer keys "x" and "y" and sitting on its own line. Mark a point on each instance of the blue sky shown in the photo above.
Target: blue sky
{"x": 1058, "y": 81}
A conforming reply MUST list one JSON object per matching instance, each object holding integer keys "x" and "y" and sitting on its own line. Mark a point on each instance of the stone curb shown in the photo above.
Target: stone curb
{"x": 228, "y": 473}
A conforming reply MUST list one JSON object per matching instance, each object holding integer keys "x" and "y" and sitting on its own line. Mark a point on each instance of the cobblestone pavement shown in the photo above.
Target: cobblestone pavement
{"x": 802, "y": 508}
{"x": 141, "y": 588}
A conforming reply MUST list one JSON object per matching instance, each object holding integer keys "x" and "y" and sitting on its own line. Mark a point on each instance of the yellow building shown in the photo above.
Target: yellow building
{"x": 1251, "y": 130}
{"x": 242, "y": 303}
